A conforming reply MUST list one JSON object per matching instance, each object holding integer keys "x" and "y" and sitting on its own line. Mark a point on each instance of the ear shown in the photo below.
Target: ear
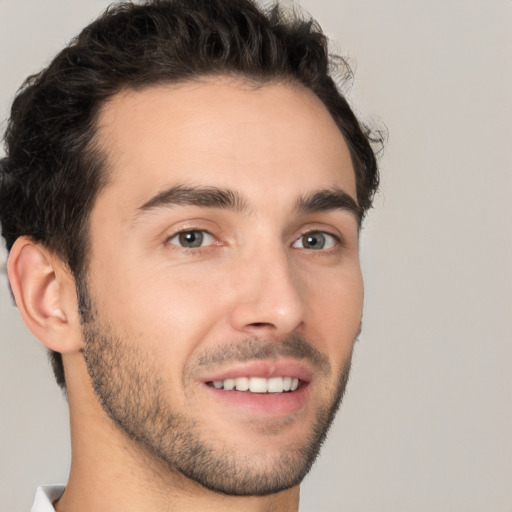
{"x": 44, "y": 291}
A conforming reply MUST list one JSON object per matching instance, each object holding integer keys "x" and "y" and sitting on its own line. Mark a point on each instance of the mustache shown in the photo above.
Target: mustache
{"x": 249, "y": 349}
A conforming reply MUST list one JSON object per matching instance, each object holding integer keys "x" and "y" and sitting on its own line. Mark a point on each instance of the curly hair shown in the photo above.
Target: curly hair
{"x": 53, "y": 171}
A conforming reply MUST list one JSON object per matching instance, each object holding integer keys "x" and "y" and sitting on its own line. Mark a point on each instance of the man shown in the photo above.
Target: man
{"x": 181, "y": 200}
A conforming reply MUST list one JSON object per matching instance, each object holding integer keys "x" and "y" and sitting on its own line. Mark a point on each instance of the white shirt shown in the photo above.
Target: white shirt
{"x": 45, "y": 497}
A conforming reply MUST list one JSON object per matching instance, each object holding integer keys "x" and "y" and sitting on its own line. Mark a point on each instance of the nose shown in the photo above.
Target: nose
{"x": 268, "y": 297}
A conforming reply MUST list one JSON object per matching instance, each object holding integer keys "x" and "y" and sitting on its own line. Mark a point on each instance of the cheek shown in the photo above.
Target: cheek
{"x": 336, "y": 310}
{"x": 167, "y": 310}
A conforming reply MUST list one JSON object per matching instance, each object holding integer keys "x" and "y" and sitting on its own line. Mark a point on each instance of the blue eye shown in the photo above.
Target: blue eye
{"x": 315, "y": 240}
{"x": 192, "y": 239}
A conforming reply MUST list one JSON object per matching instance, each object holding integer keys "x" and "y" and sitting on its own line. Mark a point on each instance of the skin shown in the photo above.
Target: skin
{"x": 252, "y": 279}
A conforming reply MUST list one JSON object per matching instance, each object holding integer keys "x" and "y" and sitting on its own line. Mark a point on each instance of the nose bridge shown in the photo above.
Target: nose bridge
{"x": 268, "y": 295}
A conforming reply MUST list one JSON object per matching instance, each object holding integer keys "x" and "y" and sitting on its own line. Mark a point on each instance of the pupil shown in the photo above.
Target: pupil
{"x": 191, "y": 239}
{"x": 316, "y": 241}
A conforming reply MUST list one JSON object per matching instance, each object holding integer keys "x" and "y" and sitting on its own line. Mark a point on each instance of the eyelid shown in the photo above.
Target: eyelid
{"x": 338, "y": 239}
{"x": 177, "y": 233}
{"x": 190, "y": 224}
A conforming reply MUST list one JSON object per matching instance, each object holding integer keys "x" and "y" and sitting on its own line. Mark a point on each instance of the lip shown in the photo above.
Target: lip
{"x": 266, "y": 369}
{"x": 263, "y": 404}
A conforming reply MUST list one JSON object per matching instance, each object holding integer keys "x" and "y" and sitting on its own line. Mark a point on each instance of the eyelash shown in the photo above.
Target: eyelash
{"x": 337, "y": 240}
{"x": 189, "y": 231}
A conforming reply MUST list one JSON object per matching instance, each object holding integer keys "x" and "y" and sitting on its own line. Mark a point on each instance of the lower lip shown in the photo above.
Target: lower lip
{"x": 271, "y": 404}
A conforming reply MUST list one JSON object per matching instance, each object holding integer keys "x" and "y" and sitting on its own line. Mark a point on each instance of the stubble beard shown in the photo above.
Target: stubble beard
{"x": 132, "y": 392}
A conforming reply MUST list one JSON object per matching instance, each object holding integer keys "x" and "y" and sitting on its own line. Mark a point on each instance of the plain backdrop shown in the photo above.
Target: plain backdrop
{"x": 426, "y": 425}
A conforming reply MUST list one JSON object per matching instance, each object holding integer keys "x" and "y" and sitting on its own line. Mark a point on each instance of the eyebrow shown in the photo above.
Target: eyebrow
{"x": 205, "y": 197}
{"x": 328, "y": 200}
{"x": 224, "y": 198}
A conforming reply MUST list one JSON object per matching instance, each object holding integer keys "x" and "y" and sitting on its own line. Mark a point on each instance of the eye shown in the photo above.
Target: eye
{"x": 316, "y": 240}
{"x": 191, "y": 239}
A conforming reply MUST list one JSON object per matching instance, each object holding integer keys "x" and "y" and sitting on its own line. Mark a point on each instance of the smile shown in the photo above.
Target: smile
{"x": 257, "y": 384}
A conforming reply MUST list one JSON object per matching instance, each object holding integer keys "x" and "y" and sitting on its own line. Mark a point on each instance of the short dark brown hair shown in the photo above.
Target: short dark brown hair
{"x": 52, "y": 170}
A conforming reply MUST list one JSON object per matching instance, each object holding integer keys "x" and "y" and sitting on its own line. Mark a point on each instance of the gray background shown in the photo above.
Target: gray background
{"x": 427, "y": 421}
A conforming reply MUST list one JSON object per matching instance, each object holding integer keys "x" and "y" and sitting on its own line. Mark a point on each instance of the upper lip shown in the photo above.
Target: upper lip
{"x": 284, "y": 367}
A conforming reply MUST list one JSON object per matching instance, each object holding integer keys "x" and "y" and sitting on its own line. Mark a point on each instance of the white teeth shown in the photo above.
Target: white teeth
{"x": 258, "y": 384}
{"x": 229, "y": 384}
{"x": 275, "y": 385}
{"x": 242, "y": 384}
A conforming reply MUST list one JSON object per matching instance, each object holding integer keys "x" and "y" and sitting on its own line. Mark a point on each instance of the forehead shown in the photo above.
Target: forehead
{"x": 221, "y": 133}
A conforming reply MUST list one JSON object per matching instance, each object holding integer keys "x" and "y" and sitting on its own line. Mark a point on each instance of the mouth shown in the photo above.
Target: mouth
{"x": 273, "y": 385}
{"x": 262, "y": 387}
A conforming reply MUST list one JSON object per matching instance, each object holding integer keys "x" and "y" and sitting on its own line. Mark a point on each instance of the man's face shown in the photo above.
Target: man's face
{"x": 224, "y": 256}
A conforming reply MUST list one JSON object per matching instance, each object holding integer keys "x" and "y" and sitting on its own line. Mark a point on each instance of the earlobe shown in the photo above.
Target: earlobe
{"x": 45, "y": 295}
